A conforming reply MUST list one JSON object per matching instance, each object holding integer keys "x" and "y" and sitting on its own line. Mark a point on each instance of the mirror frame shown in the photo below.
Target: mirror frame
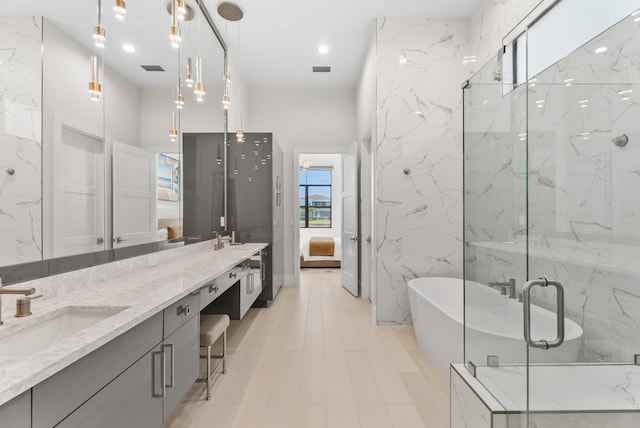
{"x": 12, "y": 274}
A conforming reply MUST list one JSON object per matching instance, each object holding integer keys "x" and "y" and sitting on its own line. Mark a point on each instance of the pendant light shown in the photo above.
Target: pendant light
{"x": 239, "y": 132}
{"x": 219, "y": 157}
{"x": 120, "y": 8}
{"x": 174, "y": 34}
{"x": 173, "y": 133}
{"x": 226, "y": 101}
{"x": 189, "y": 78}
{"x": 99, "y": 35}
{"x": 95, "y": 89}
{"x": 181, "y": 10}
{"x": 179, "y": 101}
{"x": 198, "y": 89}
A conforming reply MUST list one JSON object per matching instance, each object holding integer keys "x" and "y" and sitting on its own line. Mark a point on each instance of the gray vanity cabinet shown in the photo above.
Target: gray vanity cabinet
{"x": 131, "y": 400}
{"x": 17, "y": 412}
{"x": 60, "y": 395}
{"x": 181, "y": 346}
{"x": 122, "y": 384}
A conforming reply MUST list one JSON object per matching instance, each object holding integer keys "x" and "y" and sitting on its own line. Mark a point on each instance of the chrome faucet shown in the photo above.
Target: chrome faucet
{"x": 504, "y": 286}
{"x": 24, "y": 291}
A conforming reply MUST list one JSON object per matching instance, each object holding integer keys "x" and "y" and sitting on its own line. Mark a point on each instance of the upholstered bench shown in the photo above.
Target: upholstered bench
{"x": 211, "y": 328}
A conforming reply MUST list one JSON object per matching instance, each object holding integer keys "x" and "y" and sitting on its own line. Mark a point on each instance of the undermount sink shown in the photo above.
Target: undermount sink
{"x": 63, "y": 323}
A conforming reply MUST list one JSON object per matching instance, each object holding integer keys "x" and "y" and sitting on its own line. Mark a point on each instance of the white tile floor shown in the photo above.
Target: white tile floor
{"x": 314, "y": 359}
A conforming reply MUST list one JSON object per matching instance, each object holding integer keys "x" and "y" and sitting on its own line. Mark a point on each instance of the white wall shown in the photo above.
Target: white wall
{"x": 301, "y": 119}
{"x": 335, "y": 162}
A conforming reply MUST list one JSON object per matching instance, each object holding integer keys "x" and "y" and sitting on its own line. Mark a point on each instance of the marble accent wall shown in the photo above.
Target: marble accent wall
{"x": 492, "y": 21}
{"x": 419, "y": 130}
{"x": 20, "y": 139}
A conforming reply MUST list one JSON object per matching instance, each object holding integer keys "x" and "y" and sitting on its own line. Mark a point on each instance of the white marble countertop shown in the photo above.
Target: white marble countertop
{"x": 144, "y": 293}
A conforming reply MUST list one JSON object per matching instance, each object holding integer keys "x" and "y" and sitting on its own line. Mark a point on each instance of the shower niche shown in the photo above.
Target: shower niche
{"x": 551, "y": 178}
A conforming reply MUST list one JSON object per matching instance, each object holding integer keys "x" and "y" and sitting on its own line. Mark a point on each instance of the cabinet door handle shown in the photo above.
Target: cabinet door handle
{"x": 153, "y": 378}
{"x": 249, "y": 284}
{"x": 172, "y": 375}
{"x": 163, "y": 377}
{"x": 262, "y": 270}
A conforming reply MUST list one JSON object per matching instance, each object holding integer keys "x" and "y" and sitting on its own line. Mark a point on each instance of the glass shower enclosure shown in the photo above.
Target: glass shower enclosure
{"x": 552, "y": 231}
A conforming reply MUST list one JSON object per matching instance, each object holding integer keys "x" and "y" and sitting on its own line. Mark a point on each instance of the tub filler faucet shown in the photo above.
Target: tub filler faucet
{"x": 504, "y": 286}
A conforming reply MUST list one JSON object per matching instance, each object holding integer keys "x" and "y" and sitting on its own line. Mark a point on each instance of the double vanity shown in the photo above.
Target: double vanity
{"x": 118, "y": 344}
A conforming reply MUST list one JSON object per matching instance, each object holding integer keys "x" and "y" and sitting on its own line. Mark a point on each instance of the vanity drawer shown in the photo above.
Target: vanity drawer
{"x": 181, "y": 312}
{"x": 209, "y": 292}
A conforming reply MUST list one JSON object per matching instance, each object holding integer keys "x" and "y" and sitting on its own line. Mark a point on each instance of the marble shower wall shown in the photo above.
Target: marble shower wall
{"x": 583, "y": 211}
{"x": 20, "y": 139}
{"x": 419, "y": 130}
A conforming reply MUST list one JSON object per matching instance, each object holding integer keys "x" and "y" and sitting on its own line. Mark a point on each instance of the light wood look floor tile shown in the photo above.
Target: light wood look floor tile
{"x": 315, "y": 359}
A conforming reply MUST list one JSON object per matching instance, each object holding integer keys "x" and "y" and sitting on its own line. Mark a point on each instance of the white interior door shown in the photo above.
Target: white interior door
{"x": 78, "y": 192}
{"x": 134, "y": 196}
{"x": 350, "y": 220}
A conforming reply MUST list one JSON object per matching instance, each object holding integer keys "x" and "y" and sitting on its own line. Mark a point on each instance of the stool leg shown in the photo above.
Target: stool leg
{"x": 208, "y": 372}
{"x": 224, "y": 351}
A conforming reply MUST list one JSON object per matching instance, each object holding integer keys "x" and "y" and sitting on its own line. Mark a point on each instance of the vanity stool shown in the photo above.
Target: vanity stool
{"x": 211, "y": 328}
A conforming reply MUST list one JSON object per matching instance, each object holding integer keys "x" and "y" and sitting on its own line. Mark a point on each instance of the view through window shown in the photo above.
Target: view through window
{"x": 315, "y": 198}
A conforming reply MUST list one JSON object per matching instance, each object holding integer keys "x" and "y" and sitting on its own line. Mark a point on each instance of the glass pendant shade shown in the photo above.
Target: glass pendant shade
{"x": 173, "y": 133}
{"x": 120, "y": 8}
{"x": 95, "y": 89}
{"x": 189, "y": 78}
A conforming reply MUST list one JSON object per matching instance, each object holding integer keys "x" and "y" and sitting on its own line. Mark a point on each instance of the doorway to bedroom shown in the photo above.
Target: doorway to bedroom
{"x": 320, "y": 210}
{"x": 326, "y": 184}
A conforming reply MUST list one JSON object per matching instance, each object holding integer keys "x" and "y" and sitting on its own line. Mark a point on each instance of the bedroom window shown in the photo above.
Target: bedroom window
{"x": 315, "y": 198}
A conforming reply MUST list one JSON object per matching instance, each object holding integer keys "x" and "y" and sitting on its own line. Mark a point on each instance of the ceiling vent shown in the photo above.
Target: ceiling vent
{"x": 321, "y": 69}
{"x": 152, "y": 67}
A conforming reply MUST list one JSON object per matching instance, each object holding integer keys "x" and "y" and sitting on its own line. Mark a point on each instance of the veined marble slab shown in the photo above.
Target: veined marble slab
{"x": 157, "y": 283}
{"x": 565, "y": 388}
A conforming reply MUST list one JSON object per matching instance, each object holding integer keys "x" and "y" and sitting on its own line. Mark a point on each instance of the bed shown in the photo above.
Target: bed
{"x": 320, "y": 251}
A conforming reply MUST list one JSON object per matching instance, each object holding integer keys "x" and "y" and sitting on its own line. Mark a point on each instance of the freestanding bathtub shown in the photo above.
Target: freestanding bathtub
{"x": 494, "y": 325}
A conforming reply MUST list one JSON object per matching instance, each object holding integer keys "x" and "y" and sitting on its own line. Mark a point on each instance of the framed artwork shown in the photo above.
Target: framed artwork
{"x": 168, "y": 178}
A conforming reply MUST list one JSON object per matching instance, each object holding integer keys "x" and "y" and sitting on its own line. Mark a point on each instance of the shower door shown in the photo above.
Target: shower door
{"x": 495, "y": 228}
{"x": 584, "y": 232}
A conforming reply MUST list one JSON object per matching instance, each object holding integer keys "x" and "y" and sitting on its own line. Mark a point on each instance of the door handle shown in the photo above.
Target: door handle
{"x": 526, "y": 299}
{"x": 99, "y": 241}
{"x": 119, "y": 239}
{"x": 354, "y": 238}
{"x": 163, "y": 379}
{"x": 172, "y": 375}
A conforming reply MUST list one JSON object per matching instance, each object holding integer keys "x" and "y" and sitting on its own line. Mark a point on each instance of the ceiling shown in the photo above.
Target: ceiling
{"x": 275, "y": 45}
{"x": 146, "y": 26}
{"x": 278, "y": 39}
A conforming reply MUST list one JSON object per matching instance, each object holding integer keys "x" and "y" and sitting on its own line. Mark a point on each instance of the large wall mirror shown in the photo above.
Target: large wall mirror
{"x": 90, "y": 135}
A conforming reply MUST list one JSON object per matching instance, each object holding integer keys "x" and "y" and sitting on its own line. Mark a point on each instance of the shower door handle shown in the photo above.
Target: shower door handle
{"x": 526, "y": 303}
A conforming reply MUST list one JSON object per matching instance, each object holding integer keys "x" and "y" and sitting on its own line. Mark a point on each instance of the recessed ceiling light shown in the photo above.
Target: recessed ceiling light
{"x": 601, "y": 49}
{"x": 128, "y": 48}
{"x": 323, "y": 49}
